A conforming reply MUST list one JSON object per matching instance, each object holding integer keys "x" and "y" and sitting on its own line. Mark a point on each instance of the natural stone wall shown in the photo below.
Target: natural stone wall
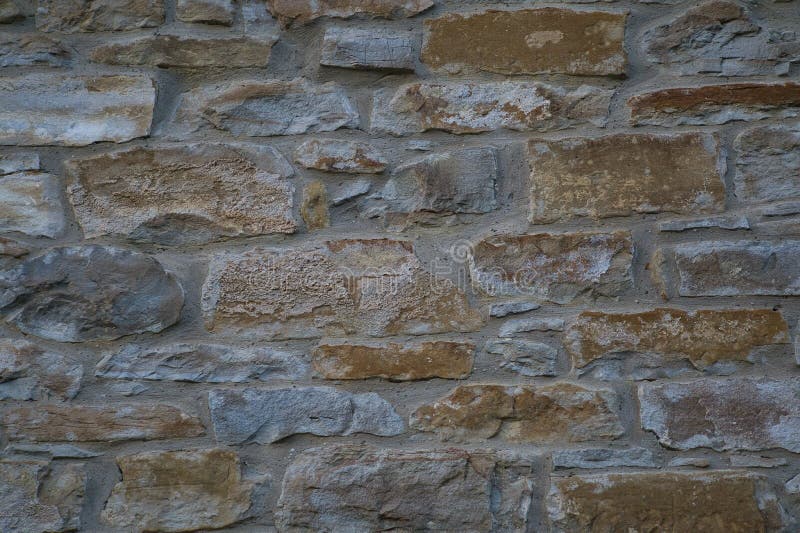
{"x": 399, "y": 265}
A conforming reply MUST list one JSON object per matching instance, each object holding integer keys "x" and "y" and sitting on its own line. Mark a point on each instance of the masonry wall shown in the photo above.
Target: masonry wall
{"x": 399, "y": 265}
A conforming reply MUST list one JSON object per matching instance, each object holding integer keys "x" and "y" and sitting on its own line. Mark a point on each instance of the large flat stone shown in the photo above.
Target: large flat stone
{"x": 98, "y": 15}
{"x": 375, "y": 49}
{"x": 305, "y": 11}
{"x": 340, "y": 156}
{"x": 768, "y": 163}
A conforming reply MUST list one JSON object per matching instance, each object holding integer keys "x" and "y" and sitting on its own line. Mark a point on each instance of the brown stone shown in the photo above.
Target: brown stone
{"x": 314, "y": 209}
{"x": 181, "y": 490}
{"x": 75, "y": 422}
{"x": 28, "y": 372}
{"x": 340, "y": 156}
{"x": 206, "y": 11}
{"x": 394, "y": 361}
{"x": 562, "y": 412}
{"x": 98, "y": 15}
{"x": 304, "y": 11}
{"x": 619, "y": 175}
{"x": 703, "y": 337}
{"x": 527, "y": 41}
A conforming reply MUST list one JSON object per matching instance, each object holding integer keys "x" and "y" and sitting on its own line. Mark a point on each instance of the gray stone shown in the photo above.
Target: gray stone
{"x": 205, "y": 11}
{"x": 603, "y": 458}
{"x": 91, "y": 292}
{"x": 16, "y": 162}
{"x": 696, "y": 462}
{"x": 304, "y": 11}
{"x": 528, "y": 358}
{"x": 55, "y": 451}
{"x": 756, "y": 461}
{"x": 728, "y": 222}
{"x": 500, "y": 310}
{"x": 98, "y": 15}
{"x": 30, "y": 203}
{"x": 522, "y": 325}
{"x": 265, "y": 416}
{"x": 793, "y": 485}
{"x": 128, "y": 388}
{"x": 350, "y": 190}
{"x": 31, "y": 49}
{"x": 333, "y": 155}
{"x": 10, "y": 11}
{"x": 768, "y": 163}
{"x": 27, "y": 372}
{"x": 203, "y": 363}
{"x": 375, "y": 48}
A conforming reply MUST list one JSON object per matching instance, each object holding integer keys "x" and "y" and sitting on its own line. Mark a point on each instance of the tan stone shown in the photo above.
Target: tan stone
{"x": 562, "y": 412}
{"x": 304, "y": 11}
{"x": 28, "y": 372}
{"x": 30, "y": 203}
{"x": 527, "y": 41}
{"x": 206, "y": 11}
{"x": 623, "y": 174}
{"x": 98, "y": 15}
{"x": 181, "y": 490}
{"x": 76, "y": 422}
{"x": 393, "y": 360}
{"x": 314, "y": 209}
{"x": 340, "y": 156}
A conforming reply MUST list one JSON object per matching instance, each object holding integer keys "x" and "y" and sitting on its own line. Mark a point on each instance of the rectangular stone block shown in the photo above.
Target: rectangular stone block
{"x": 30, "y": 203}
{"x": 305, "y": 11}
{"x": 376, "y": 49}
{"x": 206, "y": 11}
{"x": 332, "y": 155}
{"x": 98, "y": 15}
{"x": 768, "y": 163}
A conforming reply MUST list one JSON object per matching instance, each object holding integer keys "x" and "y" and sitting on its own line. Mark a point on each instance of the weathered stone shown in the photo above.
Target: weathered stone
{"x": 557, "y": 267}
{"x": 98, "y": 15}
{"x": 205, "y": 11}
{"x": 27, "y": 372}
{"x": 182, "y": 194}
{"x": 340, "y": 156}
{"x": 376, "y": 48}
{"x": 562, "y": 412}
{"x": 500, "y": 310}
{"x": 304, "y": 11}
{"x": 723, "y": 414}
{"x": 793, "y": 485}
{"x": 728, "y": 222}
{"x": 367, "y": 489}
{"x": 181, "y": 490}
{"x": 91, "y": 292}
{"x": 74, "y": 110}
{"x": 314, "y": 208}
{"x": 31, "y": 49}
{"x": 719, "y": 37}
{"x": 474, "y": 108}
{"x": 768, "y": 163}
{"x": 756, "y": 461}
{"x": 603, "y": 458}
{"x": 203, "y": 363}
{"x": 71, "y": 422}
{"x": 702, "y": 337}
{"x": 527, "y": 41}
{"x": 269, "y": 415}
{"x": 394, "y": 361}
{"x": 10, "y": 12}
{"x": 713, "y": 502}
{"x": 523, "y": 325}
{"x": 461, "y": 181}
{"x": 350, "y": 190}
{"x": 715, "y": 104}
{"x": 16, "y": 162}
{"x": 30, "y": 203}
{"x": 623, "y": 174}
{"x": 38, "y": 496}
{"x": 528, "y": 358}
{"x": 55, "y": 451}
{"x": 192, "y": 50}
{"x": 372, "y": 287}
{"x": 695, "y": 462}
{"x": 12, "y": 248}
{"x": 264, "y": 108}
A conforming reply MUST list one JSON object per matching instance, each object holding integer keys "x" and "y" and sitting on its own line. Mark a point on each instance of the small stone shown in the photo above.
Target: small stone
{"x": 55, "y": 451}
{"x": 527, "y": 358}
{"x": 340, "y": 156}
{"x": 314, "y": 209}
{"x": 562, "y": 412}
{"x": 768, "y": 163}
{"x": 58, "y": 295}
{"x": 31, "y": 49}
{"x": 350, "y": 190}
{"x": 793, "y": 485}
{"x": 756, "y": 461}
{"x": 71, "y": 16}
{"x": 182, "y": 490}
{"x": 30, "y": 203}
{"x": 305, "y": 11}
{"x": 603, "y": 458}
{"x": 500, "y": 310}
{"x": 27, "y": 372}
{"x": 522, "y": 325}
{"x": 376, "y": 48}
{"x": 696, "y": 462}
{"x": 128, "y": 388}
{"x": 727, "y": 222}
{"x": 206, "y": 11}
{"x": 394, "y": 361}
{"x": 61, "y": 422}
{"x": 270, "y": 415}
{"x": 17, "y": 162}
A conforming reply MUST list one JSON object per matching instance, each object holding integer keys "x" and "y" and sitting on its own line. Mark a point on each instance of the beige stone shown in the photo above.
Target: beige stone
{"x": 305, "y": 11}
{"x": 340, "y": 156}
{"x": 206, "y": 11}
{"x": 98, "y": 15}
{"x": 30, "y": 203}
{"x": 314, "y": 209}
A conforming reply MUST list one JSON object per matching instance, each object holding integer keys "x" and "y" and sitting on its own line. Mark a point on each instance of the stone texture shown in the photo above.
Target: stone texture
{"x": 502, "y": 309}
{"x": 91, "y": 292}
{"x": 72, "y": 422}
{"x": 28, "y": 372}
{"x": 305, "y": 11}
{"x": 55, "y": 451}
{"x": 349, "y": 191}
{"x": 314, "y": 208}
{"x": 728, "y": 222}
{"x": 270, "y": 415}
{"x": 720, "y": 37}
{"x": 373, "y": 49}
{"x": 715, "y": 104}
{"x": 10, "y": 12}
{"x": 473, "y": 108}
{"x": 702, "y": 337}
{"x": 74, "y": 110}
{"x": 182, "y": 490}
{"x": 177, "y": 194}
{"x": 98, "y": 15}
{"x": 373, "y": 287}
{"x": 206, "y": 11}
{"x": 723, "y": 414}
{"x": 203, "y": 363}
{"x": 527, "y": 358}
{"x": 393, "y": 360}
{"x": 623, "y": 174}
{"x": 367, "y": 489}
{"x": 31, "y": 49}
{"x": 18, "y": 161}
{"x": 333, "y": 155}
{"x": 561, "y": 412}
{"x": 768, "y": 163}
{"x": 524, "y": 325}
{"x": 713, "y": 502}
{"x": 30, "y": 203}
{"x": 556, "y": 267}
{"x": 527, "y": 41}
{"x": 603, "y": 458}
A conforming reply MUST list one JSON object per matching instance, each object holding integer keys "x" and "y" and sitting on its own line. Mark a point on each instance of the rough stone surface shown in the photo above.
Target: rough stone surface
{"x": 98, "y": 15}
{"x": 30, "y": 203}
{"x": 92, "y": 292}
{"x": 527, "y": 41}
{"x": 729, "y": 222}
{"x": 31, "y": 49}
{"x": 368, "y": 49}
{"x": 553, "y": 266}
{"x": 27, "y": 372}
{"x": 206, "y": 11}
{"x": 698, "y": 414}
{"x": 180, "y": 194}
{"x": 305, "y": 11}
{"x": 474, "y": 108}
{"x": 10, "y": 12}
{"x": 562, "y": 412}
{"x": 18, "y": 161}
{"x": 619, "y": 175}
{"x": 499, "y": 310}
{"x": 269, "y": 415}
{"x": 768, "y": 163}
{"x": 394, "y": 361}
{"x": 181, "y": 490}
{"x": 523, "y": 325}
{"x": 340, "y": 156}
{"x": 439, "y": 490}
{"x": 603, "y": 458}
{"x": 314, "y": 208}
{"x": 350, "y": 191}
{"x": 527, "y": 358}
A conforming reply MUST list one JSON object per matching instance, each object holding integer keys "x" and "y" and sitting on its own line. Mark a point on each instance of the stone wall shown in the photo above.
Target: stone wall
{"x": 450, "y": 265}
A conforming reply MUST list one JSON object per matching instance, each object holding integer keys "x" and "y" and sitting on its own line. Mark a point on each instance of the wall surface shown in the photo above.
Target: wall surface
{"x": 370, "y": 265}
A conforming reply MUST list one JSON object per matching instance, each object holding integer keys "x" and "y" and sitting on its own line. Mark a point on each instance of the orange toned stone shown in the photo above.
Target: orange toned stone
{"x": 314, "y": 209}
{"x": 528, "y": 41}
{"x": 304, "y": 11}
